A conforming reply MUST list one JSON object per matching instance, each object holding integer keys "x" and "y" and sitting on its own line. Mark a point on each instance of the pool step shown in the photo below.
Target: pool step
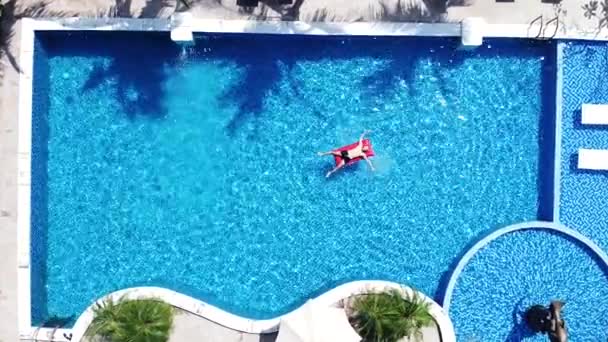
{"x": 594, "y": 114}
{"x": 590, "y": 159}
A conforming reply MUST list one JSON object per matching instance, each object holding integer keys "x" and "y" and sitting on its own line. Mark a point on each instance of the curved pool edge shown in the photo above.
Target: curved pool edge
{"x": 235, "y": 322}
{"x": 530, "y": 225}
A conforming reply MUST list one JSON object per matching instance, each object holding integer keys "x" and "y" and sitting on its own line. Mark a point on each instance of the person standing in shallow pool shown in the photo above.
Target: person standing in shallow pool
{"x": 557, "y": 326}
{"x": 346, "y": 155}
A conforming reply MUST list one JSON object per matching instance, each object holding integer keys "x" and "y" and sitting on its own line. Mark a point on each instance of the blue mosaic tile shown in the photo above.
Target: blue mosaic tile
{"x": 584, "y": 194}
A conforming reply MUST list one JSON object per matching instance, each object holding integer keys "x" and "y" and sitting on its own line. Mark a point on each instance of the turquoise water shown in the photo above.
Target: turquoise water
{"x": 526, "y": 268}
{"x": 196, "y": 169}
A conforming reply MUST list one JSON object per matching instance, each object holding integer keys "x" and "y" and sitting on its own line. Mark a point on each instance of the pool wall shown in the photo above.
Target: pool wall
{"x": 557, "y": 152}
{"x": 26, "y": 62}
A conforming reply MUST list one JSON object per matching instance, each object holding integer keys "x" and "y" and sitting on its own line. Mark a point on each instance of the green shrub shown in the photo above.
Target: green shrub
{"x": 388, "y": 316}
{"x": 142, "y": 320}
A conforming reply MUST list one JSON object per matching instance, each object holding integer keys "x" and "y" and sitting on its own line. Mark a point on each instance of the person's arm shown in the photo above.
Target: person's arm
{"x": 369, "y": 162}
{"x": 362, "y": 136}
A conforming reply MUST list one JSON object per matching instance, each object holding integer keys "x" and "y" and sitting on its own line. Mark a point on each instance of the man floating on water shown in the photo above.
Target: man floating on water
{"x": 352, "y": 153}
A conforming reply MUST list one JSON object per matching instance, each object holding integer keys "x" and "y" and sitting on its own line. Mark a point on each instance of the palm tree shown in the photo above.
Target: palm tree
{"x": 389, "y": 316}
{"x": 142, "y": 320}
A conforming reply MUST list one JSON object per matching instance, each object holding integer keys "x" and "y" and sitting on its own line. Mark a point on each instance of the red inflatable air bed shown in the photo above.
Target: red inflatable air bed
{"x": 369, "y": 152}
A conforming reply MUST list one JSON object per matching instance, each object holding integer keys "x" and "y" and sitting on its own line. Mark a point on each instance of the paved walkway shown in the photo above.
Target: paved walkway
{"x": 188, "y": 327}
{"x": 8, "y": 194}
{"x": 571, "y": 14}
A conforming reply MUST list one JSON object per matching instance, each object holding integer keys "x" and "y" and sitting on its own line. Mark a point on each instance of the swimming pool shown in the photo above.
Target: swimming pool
{"x": 195, "y": 168}
{"x": 525, "y": 268}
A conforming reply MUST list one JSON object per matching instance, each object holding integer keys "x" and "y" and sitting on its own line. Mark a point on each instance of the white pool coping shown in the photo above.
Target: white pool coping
{"x": 26, "y": 58}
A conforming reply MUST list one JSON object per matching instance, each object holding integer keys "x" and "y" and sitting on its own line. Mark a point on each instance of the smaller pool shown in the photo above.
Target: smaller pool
{"x": 582, "y": 206}
{"x": 525, "y": 268}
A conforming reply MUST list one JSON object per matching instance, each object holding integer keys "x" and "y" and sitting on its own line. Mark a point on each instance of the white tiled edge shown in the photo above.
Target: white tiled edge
{"x": 29, "y": 26}
{"x": 24, "y": 150}
{"x": 200, "y": 308}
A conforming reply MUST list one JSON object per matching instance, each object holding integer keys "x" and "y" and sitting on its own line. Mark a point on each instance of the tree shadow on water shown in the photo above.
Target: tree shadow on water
{"x": 387, "y": 78}
{"x": 274, "y": 62}
{"x": 259, "y": 77}
{"x": 138, "y": 75}
{"x": 401, "y": 66}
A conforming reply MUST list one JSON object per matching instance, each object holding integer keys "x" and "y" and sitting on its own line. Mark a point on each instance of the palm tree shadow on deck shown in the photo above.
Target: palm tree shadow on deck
{"x": 402, "y": 11}
{"x": 121, "y": 8}
{"x": 268, "y": 337}
{"x": 12, "y": 12}
{"x": 156, "y": 8}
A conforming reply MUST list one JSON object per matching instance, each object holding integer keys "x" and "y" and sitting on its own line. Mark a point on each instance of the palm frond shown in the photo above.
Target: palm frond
{"x": 388, "y": 316}
{"x": 142, "y": 320}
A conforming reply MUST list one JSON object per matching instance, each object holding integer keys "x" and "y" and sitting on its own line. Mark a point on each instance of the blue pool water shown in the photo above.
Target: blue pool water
{"x": 196, "y": 169}
{"x": 583, "y": 193}
{"x": 526, "y": 268}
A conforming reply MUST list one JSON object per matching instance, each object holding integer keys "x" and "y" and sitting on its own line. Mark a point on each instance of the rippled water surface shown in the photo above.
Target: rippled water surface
{"x": 196, "y": 169}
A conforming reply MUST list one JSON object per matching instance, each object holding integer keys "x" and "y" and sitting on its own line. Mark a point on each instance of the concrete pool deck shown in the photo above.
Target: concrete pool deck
{"x": 204, "y": 316}
{"x": 571, "y": 17}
